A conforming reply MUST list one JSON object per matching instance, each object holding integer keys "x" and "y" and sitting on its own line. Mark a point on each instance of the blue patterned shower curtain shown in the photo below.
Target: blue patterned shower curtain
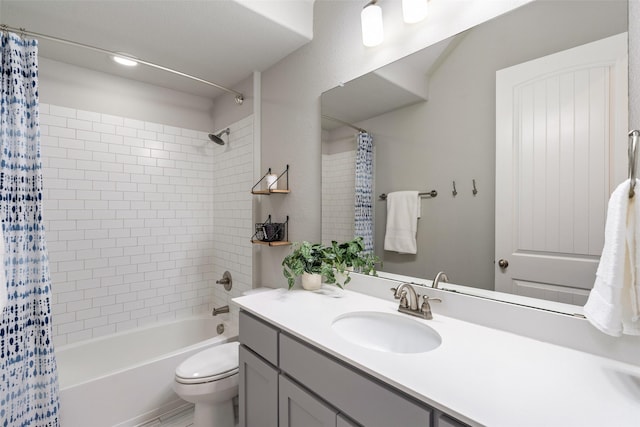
{"x": 364, "y": 190}
{"x": 28, "y": 374}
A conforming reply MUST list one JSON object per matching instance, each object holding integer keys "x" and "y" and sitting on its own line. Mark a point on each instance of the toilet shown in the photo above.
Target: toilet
{"x": 209, "y": 379}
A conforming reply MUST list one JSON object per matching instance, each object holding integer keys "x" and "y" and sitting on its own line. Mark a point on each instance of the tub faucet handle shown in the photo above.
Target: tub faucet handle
{"x": 226, "y": 281}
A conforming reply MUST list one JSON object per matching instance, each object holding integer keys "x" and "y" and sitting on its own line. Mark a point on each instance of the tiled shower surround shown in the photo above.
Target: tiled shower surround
{"x": 141, "y": 219}
{"x": 338, "y": 189}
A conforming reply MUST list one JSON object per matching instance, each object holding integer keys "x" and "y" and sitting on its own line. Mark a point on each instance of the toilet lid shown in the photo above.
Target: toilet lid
{"x": 212, "y": 364}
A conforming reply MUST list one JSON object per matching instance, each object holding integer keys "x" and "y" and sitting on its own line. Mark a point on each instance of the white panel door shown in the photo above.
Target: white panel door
{"x": 561, "y": 138}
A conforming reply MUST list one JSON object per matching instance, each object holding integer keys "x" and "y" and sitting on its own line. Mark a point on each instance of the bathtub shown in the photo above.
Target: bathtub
{"x": 126, "y": 379}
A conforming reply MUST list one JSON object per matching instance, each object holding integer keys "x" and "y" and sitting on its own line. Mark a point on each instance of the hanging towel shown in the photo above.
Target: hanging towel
{"x": 3, "y": 275}
{"x": 403, "y": 210}
{"x": 613, "y": 304}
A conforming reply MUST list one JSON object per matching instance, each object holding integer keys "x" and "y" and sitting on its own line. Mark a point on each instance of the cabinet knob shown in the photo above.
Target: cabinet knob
{"x": 503, "y": 264}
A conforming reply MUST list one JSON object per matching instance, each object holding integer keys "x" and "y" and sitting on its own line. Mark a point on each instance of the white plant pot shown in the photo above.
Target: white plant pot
{"x": 311, "y": 282}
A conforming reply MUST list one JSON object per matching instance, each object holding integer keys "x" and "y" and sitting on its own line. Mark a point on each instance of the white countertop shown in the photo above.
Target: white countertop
{"x": 479, "y": 375}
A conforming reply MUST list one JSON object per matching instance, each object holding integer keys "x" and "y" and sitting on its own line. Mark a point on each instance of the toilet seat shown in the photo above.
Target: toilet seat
{"x": 213, "y": 364}
{"x": 211, "y": 378}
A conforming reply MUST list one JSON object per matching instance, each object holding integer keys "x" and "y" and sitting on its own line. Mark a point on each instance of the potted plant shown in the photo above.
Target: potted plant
{"x": 309, "y": 260}
{"x": 350, "y": 256}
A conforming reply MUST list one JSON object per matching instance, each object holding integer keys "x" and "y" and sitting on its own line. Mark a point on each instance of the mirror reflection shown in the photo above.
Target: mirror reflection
{"x": 537, "y": 200}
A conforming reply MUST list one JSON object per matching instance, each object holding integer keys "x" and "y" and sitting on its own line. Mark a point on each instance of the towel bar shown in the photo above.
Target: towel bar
{"x": 432, "y": 193}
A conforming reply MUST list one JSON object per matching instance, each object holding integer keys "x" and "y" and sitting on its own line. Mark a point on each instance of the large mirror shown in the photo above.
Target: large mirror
{"x": 432, "y": 117}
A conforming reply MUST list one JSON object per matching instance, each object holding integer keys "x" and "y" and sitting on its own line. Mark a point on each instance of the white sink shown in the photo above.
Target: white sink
{"x": 392, "y": 333}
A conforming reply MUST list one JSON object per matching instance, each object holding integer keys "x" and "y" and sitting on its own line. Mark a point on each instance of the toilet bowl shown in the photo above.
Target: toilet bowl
{"x": 209, "y": 379}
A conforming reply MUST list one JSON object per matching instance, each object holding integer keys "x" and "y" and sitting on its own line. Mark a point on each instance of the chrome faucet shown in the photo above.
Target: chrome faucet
{"x": 401, "y": 294}
{"x": 440, "y": 277}
{"x": 223, "y": 309}
{"x": 410, "y": 305}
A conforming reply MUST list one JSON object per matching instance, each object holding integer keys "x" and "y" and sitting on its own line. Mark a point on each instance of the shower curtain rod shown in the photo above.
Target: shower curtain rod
{"x": 344, "y": 123}
{"x": 4, "y": 27}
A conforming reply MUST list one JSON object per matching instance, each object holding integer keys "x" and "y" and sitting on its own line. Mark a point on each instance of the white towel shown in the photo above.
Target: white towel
{"x": 613, "y": 304}
{"x": 403, "y": 211}
{"x": 3, "y": 275}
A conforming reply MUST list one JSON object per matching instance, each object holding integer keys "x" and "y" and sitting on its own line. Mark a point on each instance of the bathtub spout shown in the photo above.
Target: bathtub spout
{"x": 223, "y": 309}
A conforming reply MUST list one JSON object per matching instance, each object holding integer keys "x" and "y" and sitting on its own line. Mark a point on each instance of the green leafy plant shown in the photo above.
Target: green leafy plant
{"x": 350, "y": 256}
{"x": 312, "y": 258}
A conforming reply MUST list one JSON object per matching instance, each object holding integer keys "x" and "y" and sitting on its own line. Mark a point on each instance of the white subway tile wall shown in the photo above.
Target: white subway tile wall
{"x": 233, "y": 178}
{"x": 141, "y": 219}
{"x": 338, "y": 190}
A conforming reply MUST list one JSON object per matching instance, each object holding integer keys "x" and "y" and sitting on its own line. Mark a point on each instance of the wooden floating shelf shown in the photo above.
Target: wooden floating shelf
{"x": 280, "y": 243}
{"x": 277, "y": 183}
{"x": 267, "y": 192}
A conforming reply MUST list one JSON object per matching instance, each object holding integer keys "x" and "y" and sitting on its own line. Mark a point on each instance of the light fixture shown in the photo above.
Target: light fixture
{"x": 372, "y": 30}
{"x": 414, "y": 10}
{"x": 126, "y": 60}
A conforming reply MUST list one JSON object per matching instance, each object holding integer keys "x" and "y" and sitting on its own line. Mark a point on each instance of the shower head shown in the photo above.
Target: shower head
{"x": 217, "y": 137}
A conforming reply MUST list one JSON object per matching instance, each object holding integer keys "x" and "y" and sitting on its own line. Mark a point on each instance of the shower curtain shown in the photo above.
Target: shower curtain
{"x": 364, "y": 190}
{"x": 28, "y": 374}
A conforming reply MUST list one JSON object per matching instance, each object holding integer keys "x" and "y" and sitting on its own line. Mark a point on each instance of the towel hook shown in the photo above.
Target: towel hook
{"x": 475, "y": 190}
{"x": 633, "y": 156}
{"x": 454, "y": 192}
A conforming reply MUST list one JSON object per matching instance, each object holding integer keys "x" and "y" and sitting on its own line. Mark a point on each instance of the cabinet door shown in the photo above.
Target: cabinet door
{"x": 300, "y": 409}
{"x": 366, "y": 401}
{"x": 258, "y": 392}
{"x": 345, "y": 422}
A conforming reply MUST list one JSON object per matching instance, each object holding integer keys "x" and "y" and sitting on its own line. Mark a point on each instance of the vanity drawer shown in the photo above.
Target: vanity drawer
{"x": 365, "y": 400}
{"x": 259, "y": 337}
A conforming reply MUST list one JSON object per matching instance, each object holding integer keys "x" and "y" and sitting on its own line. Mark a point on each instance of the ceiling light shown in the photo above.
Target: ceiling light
{"x": 372, "y": 31}
{"x": 125, "y": 60}
{"x": 414, "y": 10}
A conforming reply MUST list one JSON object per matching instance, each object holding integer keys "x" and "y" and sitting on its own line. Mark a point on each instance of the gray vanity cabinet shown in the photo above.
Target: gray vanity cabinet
{"x": 258, "y": 391}
{"x": 298, "y": 408}
{"x": 362, "y": 398}
{"x": 344, "y": 422}
{"x": 287, "y": 382}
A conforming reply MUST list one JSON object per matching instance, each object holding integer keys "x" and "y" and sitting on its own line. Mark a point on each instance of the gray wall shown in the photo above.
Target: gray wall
{"x": 76, "y": 87}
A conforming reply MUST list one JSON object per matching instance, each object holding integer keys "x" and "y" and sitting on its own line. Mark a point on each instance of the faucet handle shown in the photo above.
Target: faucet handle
{"x": 395, "y": 293}
{"x": 403, "y": 299}
{"x": 425, "y": 308}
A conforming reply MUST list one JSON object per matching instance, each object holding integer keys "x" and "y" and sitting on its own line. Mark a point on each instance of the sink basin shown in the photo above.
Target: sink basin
{"x": 392, "y": 333}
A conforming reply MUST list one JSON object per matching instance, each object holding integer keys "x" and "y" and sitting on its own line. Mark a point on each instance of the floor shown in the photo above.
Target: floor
{"x": 181, "y": 417}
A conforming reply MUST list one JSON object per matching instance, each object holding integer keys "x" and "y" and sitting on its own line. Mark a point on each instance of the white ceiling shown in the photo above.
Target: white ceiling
{"x": 222, "y": 41}
{"x": 397, "y": 85}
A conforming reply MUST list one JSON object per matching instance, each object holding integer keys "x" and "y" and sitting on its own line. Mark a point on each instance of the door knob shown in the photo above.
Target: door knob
{"x": 503, "y": 263}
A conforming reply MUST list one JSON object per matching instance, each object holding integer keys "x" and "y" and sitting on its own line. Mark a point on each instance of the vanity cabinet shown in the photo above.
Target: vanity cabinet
{"x": 360, "y": 397}
{"x": 287, "y": 382}
{"x": 258, "y": 391}
{"x": 299, "y": 408}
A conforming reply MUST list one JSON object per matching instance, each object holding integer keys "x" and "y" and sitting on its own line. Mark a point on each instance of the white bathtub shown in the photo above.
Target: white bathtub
{"x": 126, "y": 378}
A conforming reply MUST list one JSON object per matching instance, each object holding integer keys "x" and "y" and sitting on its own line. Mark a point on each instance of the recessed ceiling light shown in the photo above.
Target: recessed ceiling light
{"x": 126, "y": 61}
